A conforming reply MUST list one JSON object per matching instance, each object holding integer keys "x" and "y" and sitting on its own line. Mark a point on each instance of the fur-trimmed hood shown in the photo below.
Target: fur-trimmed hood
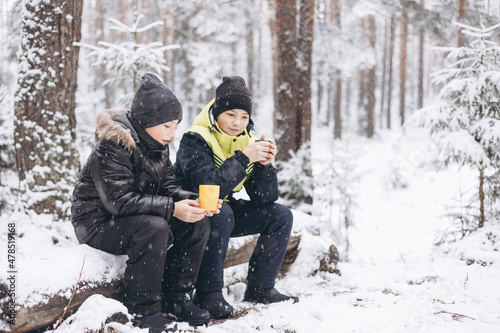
{"x": 123, "y": 177}
{"x": 112, "y": 124}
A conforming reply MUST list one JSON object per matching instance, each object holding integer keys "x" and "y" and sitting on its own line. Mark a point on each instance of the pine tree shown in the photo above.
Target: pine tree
{"x": 129, "y": 59}
{"x": 467, "y": 123}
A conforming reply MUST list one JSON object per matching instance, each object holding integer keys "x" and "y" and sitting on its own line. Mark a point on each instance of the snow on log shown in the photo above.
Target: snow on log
{"x": 45, "y": 297}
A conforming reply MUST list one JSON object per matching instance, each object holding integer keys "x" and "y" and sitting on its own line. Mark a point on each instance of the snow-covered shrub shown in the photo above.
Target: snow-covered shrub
{"x": 296, "y": 180}
{"x": 336, "y": 184}
{"x": 481, "y": 247}
{"x": 466, "y": 124}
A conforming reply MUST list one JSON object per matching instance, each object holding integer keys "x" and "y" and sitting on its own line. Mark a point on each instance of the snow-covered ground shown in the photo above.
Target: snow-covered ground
{"x": 393, "y": 278}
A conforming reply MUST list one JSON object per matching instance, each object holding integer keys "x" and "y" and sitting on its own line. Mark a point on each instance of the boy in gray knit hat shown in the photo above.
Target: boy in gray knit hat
{"x": 126, "y": 201}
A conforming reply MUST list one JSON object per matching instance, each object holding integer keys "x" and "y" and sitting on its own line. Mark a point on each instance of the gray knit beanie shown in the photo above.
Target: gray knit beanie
{"x": 154, "y": 103}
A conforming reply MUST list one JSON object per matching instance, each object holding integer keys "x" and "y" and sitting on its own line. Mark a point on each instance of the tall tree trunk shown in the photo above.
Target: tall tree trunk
{"x": 384, "y": 72}
{"x": 258, "y": 79}
{"x": 285, "y": 115}
{"x": 99, "y": 36}
{"x": 348, "y": 97}
{"x": 402, "y": 64}
{"x": 367, "y": 80}
{"x": 189, "y": 68}
{"x": 46, "y": 156}
{"x": 250, "y": 57}
{"x": 250, "y": 51}
{"x": 3, "y": 36}
{"x": 305, "y": 47}
{"x": 421, "y": 40}
{"x": 273, "y": 27}
{"x": 361, "y": 84}
{"x": 361, "y": 93}
{"x": 293, "y": 78}
{"x": 168, "y": 38}
{"x": 389, "y": 83}
{"x": 337, "y": 105}
{"x": 154, "y": 16}
{"x": 320, "y": 82}
{"x": 123, "y": 17}
{"x": 101, "y": 74}
{"x": 461, "y": 14}
{"x": 371, "y": 80}
{"x": 330, "y": 95}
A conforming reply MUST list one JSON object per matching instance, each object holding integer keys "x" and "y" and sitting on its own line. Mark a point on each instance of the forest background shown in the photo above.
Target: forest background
{"x": 353, "y": 66}
{"x": 345, "y": 69}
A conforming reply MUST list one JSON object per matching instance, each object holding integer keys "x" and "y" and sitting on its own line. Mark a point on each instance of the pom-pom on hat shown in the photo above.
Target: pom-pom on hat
{"x": 232, "y": 93}
{"x": 154, "y": 103}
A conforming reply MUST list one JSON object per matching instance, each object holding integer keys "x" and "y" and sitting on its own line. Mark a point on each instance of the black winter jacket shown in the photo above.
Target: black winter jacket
{"x": 127, "y": 173}
{"x": 195, "y": 165}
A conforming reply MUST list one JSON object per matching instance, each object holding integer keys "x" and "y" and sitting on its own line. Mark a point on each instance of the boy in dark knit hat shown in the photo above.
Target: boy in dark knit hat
{"x": 219, "y": 149}
{"x": 126, "y": 201}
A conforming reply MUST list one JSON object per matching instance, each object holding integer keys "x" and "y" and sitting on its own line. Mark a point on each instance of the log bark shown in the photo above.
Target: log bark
{"x": 243, "y": 254}
{"x": 45, "y": 314}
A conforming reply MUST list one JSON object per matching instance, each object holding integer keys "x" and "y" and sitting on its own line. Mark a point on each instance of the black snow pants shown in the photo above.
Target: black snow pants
{"x": 240, "y": 218}
{"x": 152, "y": 270}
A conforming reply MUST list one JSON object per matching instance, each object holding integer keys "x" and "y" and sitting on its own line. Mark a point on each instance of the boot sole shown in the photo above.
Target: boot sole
{"x": 221, "y": 316}
{"x": 266, "y": 301}
{"x": 192, "y": 322}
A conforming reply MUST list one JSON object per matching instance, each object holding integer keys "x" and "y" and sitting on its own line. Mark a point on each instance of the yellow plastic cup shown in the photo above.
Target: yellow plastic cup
{"x": 209, "y": 197}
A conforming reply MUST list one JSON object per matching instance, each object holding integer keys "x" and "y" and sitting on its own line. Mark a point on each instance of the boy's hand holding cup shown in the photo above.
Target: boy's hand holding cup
{"x": 271, "y": 150}
{"x": 263, "y": 151}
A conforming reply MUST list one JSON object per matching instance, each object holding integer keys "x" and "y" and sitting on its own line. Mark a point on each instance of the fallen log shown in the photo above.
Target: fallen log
{"x": 242, "y": 254}
{"x": 47, "y": 313}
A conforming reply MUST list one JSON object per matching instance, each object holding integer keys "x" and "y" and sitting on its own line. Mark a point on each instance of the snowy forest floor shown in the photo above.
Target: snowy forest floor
{"x": 394, "y": 279}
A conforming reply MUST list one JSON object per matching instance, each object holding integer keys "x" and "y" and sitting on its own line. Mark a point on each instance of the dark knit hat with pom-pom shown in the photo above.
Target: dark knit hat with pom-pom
{"x": 231, "y": 94}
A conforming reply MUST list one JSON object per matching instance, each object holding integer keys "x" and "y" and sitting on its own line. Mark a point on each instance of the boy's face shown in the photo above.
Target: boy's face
{"x": 163, "y": 133}
{"x": 233, "y": 122}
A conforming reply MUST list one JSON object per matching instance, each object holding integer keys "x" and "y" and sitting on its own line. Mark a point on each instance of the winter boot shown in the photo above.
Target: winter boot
{"x": 157, "y": 323}
{"x": 186, "y": 311}
{"x": 266, "y": 296}
{"x": 214, "y": 303}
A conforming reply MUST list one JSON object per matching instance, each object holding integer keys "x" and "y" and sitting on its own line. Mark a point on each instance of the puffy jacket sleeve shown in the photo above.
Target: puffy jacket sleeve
{"x": 262, "y": 187}
{"x": 112, "y": 172}
{"x": 196, "y": 164}
{"x": 172, "y": 189}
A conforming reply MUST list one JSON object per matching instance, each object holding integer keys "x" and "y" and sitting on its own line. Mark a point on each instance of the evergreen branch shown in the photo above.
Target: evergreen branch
{"x": 149, "y": 26}
{"x": 120, "y": 26}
